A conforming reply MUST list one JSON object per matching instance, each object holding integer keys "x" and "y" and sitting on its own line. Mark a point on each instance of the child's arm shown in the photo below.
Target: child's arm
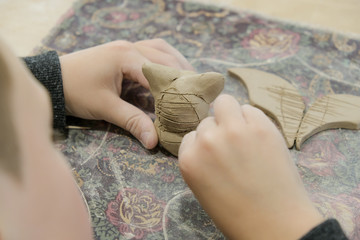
{"x": 240, "y": 170}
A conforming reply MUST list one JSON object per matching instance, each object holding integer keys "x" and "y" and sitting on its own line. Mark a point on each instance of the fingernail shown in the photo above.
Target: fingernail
{"x": 144, "y": 138}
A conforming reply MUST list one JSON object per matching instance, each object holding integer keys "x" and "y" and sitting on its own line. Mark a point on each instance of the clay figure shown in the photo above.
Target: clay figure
{"x": 329, "y": 112}
{"x": 282, "y": 102}
{"x": 276, "y": 97}
{"x": 182, "y": 100}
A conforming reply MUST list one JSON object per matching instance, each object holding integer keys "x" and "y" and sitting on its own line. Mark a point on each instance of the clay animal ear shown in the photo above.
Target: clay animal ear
{"x": 182, "y": 100}
{"x": 330, "y": 111}
{"x": 160, "y": 76}
{"x": 204, "y": 85}
{"x": 276, "y": 97}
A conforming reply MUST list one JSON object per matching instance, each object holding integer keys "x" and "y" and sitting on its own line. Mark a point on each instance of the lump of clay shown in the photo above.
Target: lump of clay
{"x": 327, "y": 112}
{"x": 276, "y": 97}
{"x": 182, "y": 100}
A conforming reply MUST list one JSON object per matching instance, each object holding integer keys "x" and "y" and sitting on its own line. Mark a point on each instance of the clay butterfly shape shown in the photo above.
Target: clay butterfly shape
{"x": 281, "y": 101}
{"x": 182, "y": 100}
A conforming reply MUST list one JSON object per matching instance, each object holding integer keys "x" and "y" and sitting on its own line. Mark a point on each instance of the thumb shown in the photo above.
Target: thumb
{"x": 132, "y": 119}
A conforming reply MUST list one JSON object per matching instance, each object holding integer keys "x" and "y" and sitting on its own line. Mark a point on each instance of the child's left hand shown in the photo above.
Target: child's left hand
{"x": 92, "y": 80}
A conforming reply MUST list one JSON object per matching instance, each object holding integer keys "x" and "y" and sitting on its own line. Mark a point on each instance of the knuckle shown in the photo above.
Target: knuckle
{"x": 234, "y": 134}
{"x": 232, "y": 129}
{"x": 207, "y": 140}
{"x": 132, "y": 124}
{"x": 185, "y": 161}
{"x": 261, "y": 131}
{"x": 171, "y": 60}
{"x": 160, "y": 41}
{"x": 249, "y": 110}
{"x": 192, "y": 161}
{"x": 122, "y": 45}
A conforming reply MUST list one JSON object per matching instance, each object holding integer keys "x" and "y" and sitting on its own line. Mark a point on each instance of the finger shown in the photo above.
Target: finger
{"x": 227, "y": 110}
{"x": 133, "y": 71}
{"x": 156, "y": 56}
{"x": 186, "y": 157}
{"x": 205, "y": 125}
{"x": 187, "y": 141}
{"x": 133, "y": 120}
{"x": 162, "y": 46}
{"x": 257, "y": 117}
{"x": 165, "y": 47}
{"x": 253, "y": 114}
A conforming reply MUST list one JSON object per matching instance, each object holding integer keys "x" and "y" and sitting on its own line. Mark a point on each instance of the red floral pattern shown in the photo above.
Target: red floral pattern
{"x": 268, "y": 43}
{"x": 320, "y": 157}
{"x": 343, "y": 207}
{"x": 136, "y": 212}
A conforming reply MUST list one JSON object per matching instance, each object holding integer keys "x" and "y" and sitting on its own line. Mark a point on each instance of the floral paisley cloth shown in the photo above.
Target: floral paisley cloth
{"x": 134, "y": 193}
{"x": 135, "y": 212}
{"x": 268, "y": 43}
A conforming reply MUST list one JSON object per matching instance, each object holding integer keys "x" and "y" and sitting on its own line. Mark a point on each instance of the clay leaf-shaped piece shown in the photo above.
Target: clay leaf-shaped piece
{"x": 276, "y": 97}
{"x": 327, "y": 112}
{"x": 182, "y": 100}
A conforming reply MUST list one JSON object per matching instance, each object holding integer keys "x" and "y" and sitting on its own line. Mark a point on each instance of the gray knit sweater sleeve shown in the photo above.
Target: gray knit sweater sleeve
{"x": 46, "y": 68}
{"x": 328, "y": 230}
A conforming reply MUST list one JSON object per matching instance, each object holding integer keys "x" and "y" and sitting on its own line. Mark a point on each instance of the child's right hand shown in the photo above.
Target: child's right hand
{"x": 240, "y": 170}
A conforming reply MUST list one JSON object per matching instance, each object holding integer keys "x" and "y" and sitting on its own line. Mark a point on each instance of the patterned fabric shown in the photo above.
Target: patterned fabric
{"x": 134, "y": 193}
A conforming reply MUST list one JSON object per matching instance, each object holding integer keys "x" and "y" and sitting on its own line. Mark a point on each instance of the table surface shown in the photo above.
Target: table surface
{"x": 23, "y": 23}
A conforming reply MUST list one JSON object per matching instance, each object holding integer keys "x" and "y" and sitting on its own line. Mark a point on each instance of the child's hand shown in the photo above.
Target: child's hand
{"x": 240, "y": 170}
{"x": 93, "y": 77}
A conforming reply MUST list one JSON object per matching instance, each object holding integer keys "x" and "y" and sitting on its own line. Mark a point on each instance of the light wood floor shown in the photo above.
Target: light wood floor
{"x": 23, "y": 23}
